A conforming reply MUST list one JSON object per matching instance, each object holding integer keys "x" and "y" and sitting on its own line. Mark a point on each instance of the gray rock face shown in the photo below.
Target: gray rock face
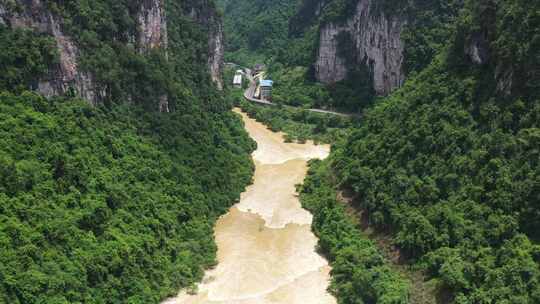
{"x": 151, "y": 34}
{"x": 215, "y": 60}
{"x": 208, "y": 19}
{"x": 65, "y": 75}
{"x": 152, "y": 25}
{"x": 330, "y": 67}
{"x": 477, "y": 49}
{"x": 377, "y": 41}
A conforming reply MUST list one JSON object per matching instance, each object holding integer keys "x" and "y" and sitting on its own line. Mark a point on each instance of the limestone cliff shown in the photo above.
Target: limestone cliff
{"x": 149, "y": 32}
{"x": 216, "y": 49}
{"x": 206, "y": 15}
{"x": 152, "y": 34}
{"x": 65, "y": 75}
{"x": 376, "y": 42}
{"x": 477, "y": 50}
{"x": 152, "y": 25}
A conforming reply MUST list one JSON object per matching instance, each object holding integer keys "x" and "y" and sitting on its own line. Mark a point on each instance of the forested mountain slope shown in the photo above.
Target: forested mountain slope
{"x": 389, "y": 39}
{"x": 337, "y": 53}
{"x": 107, "y": 51}
{"x": 450, "y": 163}
{"x": 103, "y": 199}
{"x": 255, "y": 30}
{"x": 363, "y": 48}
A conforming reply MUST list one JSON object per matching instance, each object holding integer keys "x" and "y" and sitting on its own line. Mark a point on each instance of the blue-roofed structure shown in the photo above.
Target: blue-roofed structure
{"x": 266, "y": 83}
{"x": 266, "y": 89}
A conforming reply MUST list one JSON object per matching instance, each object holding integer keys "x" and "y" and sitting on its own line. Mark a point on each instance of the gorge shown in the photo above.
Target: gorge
{"x": 131, "y": 171}
{"x": 109, "y": 112}
{"x": 266, "y": 250}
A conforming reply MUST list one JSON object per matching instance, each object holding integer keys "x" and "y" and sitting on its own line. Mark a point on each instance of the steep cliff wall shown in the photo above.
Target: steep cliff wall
{"x": 66, "y": 74}
{"x": 81, "y": 70}
{"x": 376, "y": 41}
{"x": 152, "y": 34}
{"x": 206, "y": 15}
{"x": 152, "y": 25}
{"x": 330, "y": 66}
{"x": 216, "y": 49}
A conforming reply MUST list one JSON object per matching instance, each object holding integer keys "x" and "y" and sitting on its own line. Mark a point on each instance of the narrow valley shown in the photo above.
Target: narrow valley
{"x": 266, "y": 250}
{"x": 269, "y": 152}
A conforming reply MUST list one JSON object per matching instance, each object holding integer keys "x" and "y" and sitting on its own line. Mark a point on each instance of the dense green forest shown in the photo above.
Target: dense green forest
{"x": 285, "y": 36}
{"x": 111, "y": 205}
{"x": 360, "y": 273}
{"x": 299, "y": 124}
{"x": 255, "y": 30}
{"x": 449, "y": 164}
{"x": 114, "y": 203}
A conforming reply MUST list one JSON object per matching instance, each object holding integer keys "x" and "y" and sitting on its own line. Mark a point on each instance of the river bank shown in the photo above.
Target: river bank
{"x": 266, "y": 249}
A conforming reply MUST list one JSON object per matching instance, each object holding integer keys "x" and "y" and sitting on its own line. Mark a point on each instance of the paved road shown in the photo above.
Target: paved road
{"x": 250, "y": 92}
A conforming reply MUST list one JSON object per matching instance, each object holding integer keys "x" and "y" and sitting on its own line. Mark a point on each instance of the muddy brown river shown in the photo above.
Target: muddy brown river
{"x": 266, "y": 250}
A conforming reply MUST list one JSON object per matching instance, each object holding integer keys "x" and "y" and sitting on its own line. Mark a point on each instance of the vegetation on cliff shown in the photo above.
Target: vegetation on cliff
{"x": 25, "y": 55}
{"x": 111, "y": 205}
{"x": 450, "y": 162}
{"x": 114, "y": 203}
{"x": 299, "y": 124}
{"x": 360, "y": 274}
{"x": 105, "y": 34}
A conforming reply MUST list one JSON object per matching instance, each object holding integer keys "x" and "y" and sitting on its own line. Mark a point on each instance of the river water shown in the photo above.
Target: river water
{"x": 266, "y": 250}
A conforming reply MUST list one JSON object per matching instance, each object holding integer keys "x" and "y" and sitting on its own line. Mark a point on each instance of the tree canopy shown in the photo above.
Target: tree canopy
{"x": 114, "y": 203}
{"x": 450, "y": 162}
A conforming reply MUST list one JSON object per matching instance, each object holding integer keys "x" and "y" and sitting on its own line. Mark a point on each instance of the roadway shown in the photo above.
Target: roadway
{"x": 250, "y": 93}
